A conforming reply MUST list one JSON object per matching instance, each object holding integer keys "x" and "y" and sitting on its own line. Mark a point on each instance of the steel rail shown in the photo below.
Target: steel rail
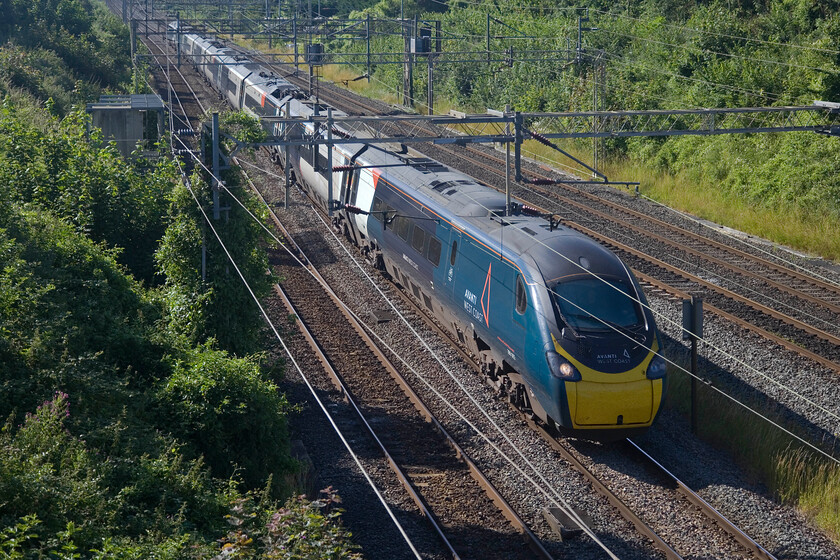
{"x": 783, "y": 342}
{"x": 712, "y": 287}
{"x": 709, "y": 510}
{"x": 336, "y": 380}
{"x": 625, "y": 511}
{"x": 507, "y": 511}
{"x": 492, "y": 492}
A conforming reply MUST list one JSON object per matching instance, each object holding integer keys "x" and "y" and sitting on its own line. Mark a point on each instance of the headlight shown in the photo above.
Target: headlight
{"x": 560, "y": 368}
{"x": 657, "y": 368}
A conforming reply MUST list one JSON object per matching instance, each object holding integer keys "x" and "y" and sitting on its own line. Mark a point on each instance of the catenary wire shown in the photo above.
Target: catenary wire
{"x": 288, "y": 352}
{"x": 562, "y": 503}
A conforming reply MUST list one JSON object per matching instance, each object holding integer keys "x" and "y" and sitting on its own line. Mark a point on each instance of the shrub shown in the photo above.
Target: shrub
{"x": 230, "y": 414}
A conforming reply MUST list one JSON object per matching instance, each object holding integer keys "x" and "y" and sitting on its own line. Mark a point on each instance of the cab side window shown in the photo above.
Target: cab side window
{"x": 521, "y": 295}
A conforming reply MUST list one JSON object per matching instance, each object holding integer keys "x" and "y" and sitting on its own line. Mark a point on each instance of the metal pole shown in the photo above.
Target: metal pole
{"x": 507, "y": 161}
{"x": 367, "y": 40}
{"x": 215, "y": 182}
{"x": 693, "y": 383}
{"x": 517, "y": 146}
{"x": 295, "y": 40}
{"x": 286, "y": 163}
{"x": 594, "y": 118}
{"x": 329, "y": 163}
{"x": 431, "y": 88}
{"x": 124, "y": 17}
{"x": 134, "y": 76}
{"x": 311, "y": 70}
{"x": 488, "y": 39}
{"x": 178, "y": 36}
{"x": 203, "y": 257}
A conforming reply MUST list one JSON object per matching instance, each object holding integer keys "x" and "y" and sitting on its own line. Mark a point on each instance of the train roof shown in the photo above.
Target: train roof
{"x": 559, "y": 252}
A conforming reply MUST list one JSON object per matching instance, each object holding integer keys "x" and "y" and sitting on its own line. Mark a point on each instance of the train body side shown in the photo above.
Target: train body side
{"x": 495, "y": 282}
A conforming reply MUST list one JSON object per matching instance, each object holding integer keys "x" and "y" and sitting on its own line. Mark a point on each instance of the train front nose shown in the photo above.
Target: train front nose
{"x": 629, "y": 398}
{"x": 611, "y": 402}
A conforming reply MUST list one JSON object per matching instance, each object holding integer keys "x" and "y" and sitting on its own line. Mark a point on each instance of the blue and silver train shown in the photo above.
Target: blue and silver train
{"x": 557, "y": 321}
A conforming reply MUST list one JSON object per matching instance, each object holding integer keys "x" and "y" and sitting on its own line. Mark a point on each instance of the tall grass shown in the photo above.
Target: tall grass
{"x": 793, "y": 473}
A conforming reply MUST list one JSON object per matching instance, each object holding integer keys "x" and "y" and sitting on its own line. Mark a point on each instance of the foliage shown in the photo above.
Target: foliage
{"x": 231, "y": 414}
{"x": 207, "y": 299}
{"x": 57, "y": 495}
{"x": 139, "y": 444}
{"x": 92, "y": 44}
{"x": 53, "y": 165}
{"x": 651, "y": 54}
{"x": 301, "y": 530}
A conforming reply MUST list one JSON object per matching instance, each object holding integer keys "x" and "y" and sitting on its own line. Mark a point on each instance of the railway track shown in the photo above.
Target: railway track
{"x": 725, "y": 550}
{"x": 663, "y": 483}
{"x": 439, "y": 476}
{"x": 691, "y": 511}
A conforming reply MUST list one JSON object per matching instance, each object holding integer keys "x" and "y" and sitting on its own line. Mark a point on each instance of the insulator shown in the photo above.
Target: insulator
{"x": 185, "y": 132}
{"x": 338, "y": 168}
{"x": 341, "y": 133}
{"x": 529, "y": 211}
{"x": 354, "y": 209}
{"x": 540, "y": 138}
{"x": 542, "y": 181}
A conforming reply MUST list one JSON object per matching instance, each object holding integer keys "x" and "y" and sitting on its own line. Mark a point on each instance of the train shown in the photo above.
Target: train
{"x": 558, "y": 323}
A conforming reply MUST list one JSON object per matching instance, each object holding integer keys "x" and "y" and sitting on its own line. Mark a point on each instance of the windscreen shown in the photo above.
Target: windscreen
{"x": 581, "y": 301}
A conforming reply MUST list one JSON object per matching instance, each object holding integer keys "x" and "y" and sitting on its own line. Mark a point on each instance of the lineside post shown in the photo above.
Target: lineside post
{"x": 693, "y": 331}
{"x": 431, "y": 81}
{"x": 215, "y": 181}
{"x": 286, "y": 162}
{"x": 367, "y": 41}
{"x": 517, "y": 146}
{"x": 507, "y": 160}
{"x": 329, "y": 163}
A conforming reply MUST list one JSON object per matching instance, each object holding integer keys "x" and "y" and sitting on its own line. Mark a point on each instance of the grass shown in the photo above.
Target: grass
{"x": 792, "y": 472}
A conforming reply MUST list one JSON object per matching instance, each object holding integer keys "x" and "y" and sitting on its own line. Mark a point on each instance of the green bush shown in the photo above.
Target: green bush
{"x": 232, "y": 416}
{"x": 301, "y": 530}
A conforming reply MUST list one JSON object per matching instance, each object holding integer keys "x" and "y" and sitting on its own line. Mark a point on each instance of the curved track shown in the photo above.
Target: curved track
{"x": 412, "y": 481}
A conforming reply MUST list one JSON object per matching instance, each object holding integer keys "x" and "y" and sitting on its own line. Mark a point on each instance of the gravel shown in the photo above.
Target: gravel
{"x": 701, "y": 466}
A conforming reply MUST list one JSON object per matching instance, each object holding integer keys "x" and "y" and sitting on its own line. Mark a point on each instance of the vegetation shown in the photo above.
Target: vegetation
{"x": 792, "y": 471}
{"x": 136, "y": 422}
{"x": 652, "y": 54}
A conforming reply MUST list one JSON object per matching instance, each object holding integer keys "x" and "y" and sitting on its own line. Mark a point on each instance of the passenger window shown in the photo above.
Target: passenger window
{"x": 401, "y": 226}
{"x": 434, "y": 251}
{"x": 521, "y": 297}
{"x": 418, "y": 239}
{"x": 453, "y": 253}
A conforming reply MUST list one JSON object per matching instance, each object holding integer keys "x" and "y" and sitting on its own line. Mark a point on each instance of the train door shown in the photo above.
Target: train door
{"x": 365, "y": 189}
{"x": 451, "y": 262}
{"x": 519, "y": 305}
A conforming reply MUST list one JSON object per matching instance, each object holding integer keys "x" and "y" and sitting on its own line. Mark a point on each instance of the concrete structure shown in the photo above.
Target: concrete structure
{"x": 129, "y": 120}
